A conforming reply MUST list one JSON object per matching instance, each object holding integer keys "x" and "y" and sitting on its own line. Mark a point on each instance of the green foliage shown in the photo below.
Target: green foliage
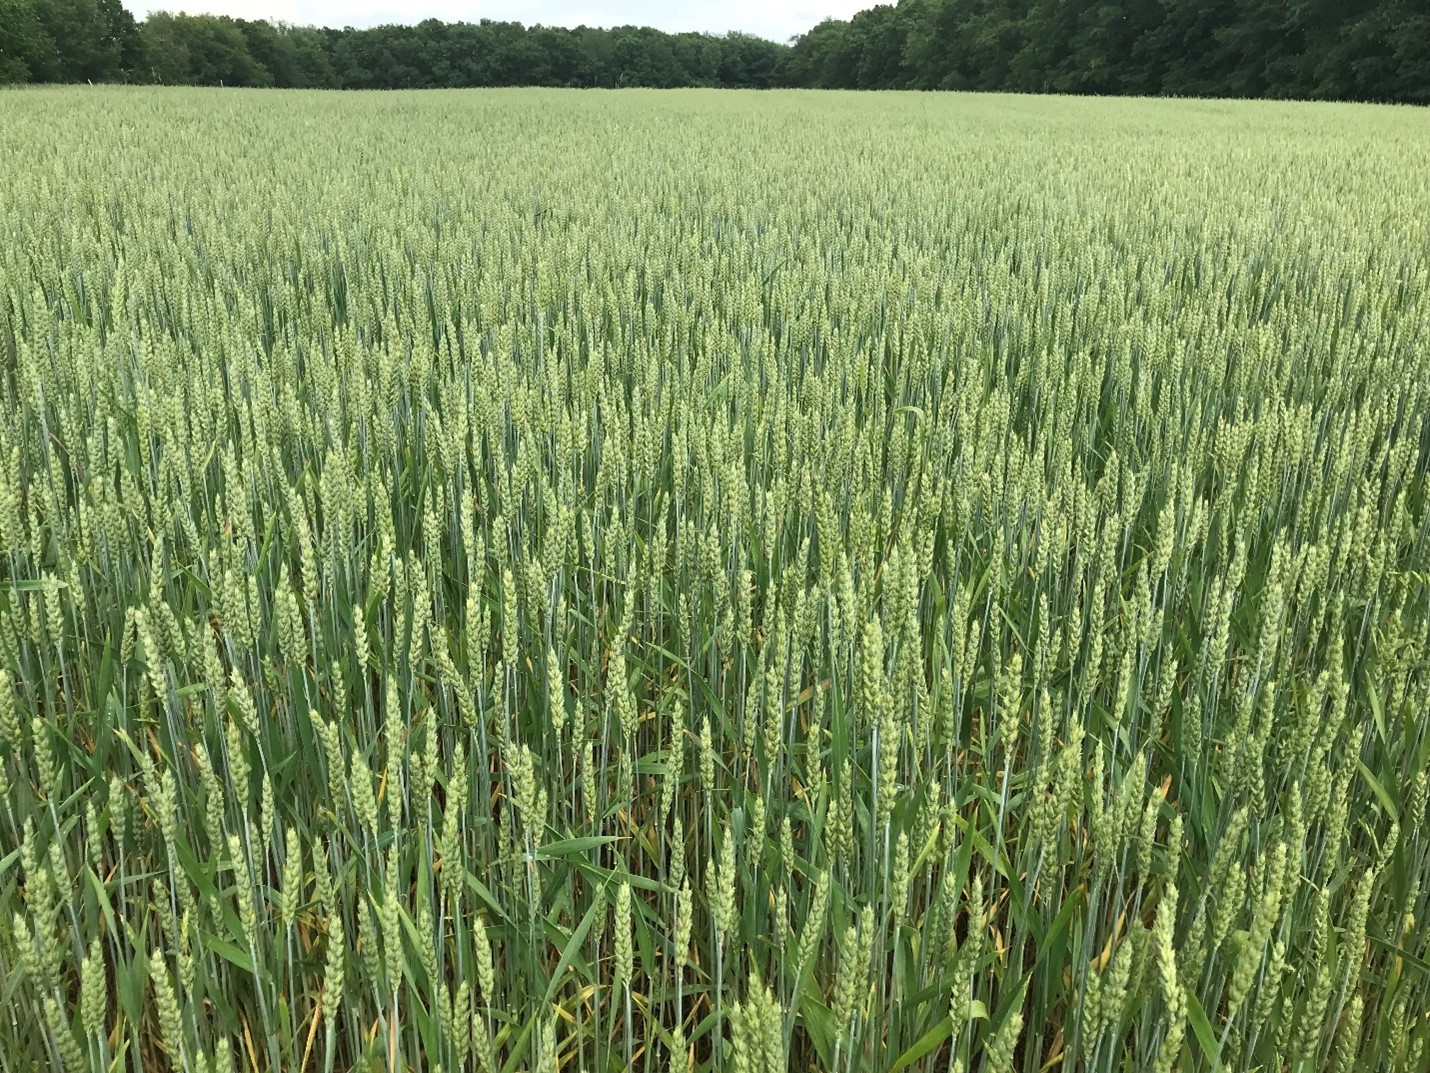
{"x": 553, "y": 581}
{"x": 207, "y": 50}
{"x": 98, "y": 41}
{"x": 65, "y": 40}
{"x": 22, "y": 38}
{"x": 1365, "y": 50}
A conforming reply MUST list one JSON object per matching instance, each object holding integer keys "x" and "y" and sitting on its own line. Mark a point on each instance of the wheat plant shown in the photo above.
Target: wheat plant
{"x": 690, "y": 581}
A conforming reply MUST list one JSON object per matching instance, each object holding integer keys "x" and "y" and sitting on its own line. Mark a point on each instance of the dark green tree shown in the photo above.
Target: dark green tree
{"x": 1331, "y": 49}
{"x": 199, "y": 50}
{"x": 27, "y": 53}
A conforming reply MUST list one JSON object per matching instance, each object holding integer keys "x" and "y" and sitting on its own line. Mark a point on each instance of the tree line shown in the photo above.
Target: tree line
{"x": 1329, "y": 49}
{"x": 100, "y": 41}
{"x": 1319, "y": 49}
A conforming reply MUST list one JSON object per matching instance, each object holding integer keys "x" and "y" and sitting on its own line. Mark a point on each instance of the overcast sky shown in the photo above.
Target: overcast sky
{"x": 775, "y": 19}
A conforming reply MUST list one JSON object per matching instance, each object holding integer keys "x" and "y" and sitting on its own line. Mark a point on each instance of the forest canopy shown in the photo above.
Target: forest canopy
{"x": 1315, "y": 49}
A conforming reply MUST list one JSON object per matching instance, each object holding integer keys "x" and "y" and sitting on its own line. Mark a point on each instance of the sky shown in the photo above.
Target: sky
{"x": 775, "y": 19}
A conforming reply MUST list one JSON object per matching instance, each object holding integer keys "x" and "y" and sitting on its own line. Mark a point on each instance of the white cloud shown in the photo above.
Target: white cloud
{"x": 775, "y": 19}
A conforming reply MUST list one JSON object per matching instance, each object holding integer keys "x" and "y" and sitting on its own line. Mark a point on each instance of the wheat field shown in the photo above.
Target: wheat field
{"x": 538, "y": 580}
